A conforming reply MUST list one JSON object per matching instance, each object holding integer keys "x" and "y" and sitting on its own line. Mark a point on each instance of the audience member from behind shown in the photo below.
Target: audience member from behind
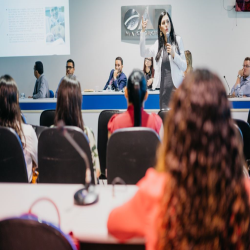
{"x": 70, "y": 70}
{"x": 198, "y": 198}
{"x": 117, "y": 79}
{"x": 10, "y": 116}
{"x": 242, "y": 85}
{"x": 189, "y": 60}
{"x": 41, "y": 89}
{"x": 135, "y": 116}
{"x": 149, "y": 72}
{"x": 68, "y": 109}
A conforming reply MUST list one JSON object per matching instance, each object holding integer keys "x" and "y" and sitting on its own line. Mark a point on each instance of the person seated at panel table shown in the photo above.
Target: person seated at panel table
{"x": 243, "y": 80}
{"x": 10, "y": 116}
{"x": 197, "y": 197}
{"x": 189, "y": 60}
{"x": 135, "y": 116}
{"x": 70, "y": 70}
{"x": 41, "y": 89}
{"x": 148, "y": 70}
{"x": 70, "y": 113}
{"x": 117, "y": 79}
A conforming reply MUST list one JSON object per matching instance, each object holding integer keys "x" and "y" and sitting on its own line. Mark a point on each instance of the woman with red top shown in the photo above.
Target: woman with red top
{"x": 198, "y": 198}
{"x": 135, "y": 116}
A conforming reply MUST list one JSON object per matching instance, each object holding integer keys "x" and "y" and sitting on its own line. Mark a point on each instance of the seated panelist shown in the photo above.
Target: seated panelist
{"x": 41, "y": 89}
{"x": 135, "y": 116}
{"x": 242, "y": 84}
{"x": 70, "y": 70}
{"x": 117, "y": 79}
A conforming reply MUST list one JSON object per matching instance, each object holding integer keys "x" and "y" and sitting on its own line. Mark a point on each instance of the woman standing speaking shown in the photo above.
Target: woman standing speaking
{"x": 169, "y": 55}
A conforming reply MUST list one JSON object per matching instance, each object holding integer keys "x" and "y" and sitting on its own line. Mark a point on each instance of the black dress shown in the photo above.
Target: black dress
{"x": 148, "y": 76}
{"x": 167, "y": 86}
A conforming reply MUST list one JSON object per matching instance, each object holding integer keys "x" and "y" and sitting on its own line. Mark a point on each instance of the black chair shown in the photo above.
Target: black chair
{"x": 239, "y": 133}
{"x": 23, "y": 118}
{"x": 18, "y": 233}
{"x": 47, "y": 117}
{"x": 245, "y": 129}
{"x": 58, "y": 160}
{"x": 248, "y": 117}
{"x": 102, "y": 139}
{"x": 163, "y": 114}
{"x": 130, "y": 152}
{"x": 12, "y": 162}
{"x": 38, "y": 130}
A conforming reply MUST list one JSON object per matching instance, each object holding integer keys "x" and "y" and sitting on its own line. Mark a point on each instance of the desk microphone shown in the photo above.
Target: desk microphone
{"x": 227, "y": 84}
{"x": 86, "y": 195}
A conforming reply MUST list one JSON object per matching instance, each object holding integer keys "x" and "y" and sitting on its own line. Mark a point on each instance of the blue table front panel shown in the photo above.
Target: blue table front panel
{"x": 95, "y": 102}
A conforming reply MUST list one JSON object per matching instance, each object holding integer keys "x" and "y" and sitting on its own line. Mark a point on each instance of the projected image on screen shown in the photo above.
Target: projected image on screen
{"x": 34, "y": 28}
{"x": 55, "y": 27}
{"x": 242, "y": 5}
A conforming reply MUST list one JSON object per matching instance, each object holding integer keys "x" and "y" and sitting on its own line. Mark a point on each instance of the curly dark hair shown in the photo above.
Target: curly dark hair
{"x": 10, "y": 114}
{"x": 205, "y": 205}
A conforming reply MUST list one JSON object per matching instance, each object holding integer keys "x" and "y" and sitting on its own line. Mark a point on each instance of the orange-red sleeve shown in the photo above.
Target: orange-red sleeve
{"x": 111, "y": 123}
{"x": 128, "y": 220}
{"x": 135, "y": 217}
{"x": 158, "y": 122}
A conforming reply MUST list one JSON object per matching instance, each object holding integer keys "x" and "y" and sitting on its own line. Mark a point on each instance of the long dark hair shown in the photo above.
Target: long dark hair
{"x": 205, "y": 204}
{"x": 69, "y": 103}
{"x": 10, "y": 114}
{"x": 151, "y": 67}
{"x": 137, "y": 88}
{"x": 161, "y": 39}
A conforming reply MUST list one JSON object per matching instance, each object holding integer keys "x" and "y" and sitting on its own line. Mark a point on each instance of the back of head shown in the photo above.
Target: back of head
{"x": 202, "y": 153}
{"x": 69, "y": 102}
{"x": 10, "y": 115}
{"x": 39, "y": 67}
{"x": 137, "y": 88}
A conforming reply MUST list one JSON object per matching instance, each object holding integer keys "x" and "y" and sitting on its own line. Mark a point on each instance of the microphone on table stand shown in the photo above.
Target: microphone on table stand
{"x": 229, "y": 95}
{"x": 86, "y": 195}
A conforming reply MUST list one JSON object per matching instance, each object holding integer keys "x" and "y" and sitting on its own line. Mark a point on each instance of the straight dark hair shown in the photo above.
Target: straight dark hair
{"x": 161, "y": 39}
{"x": 69, "y": 103}
{"x": 137, "y": 88}
{"x": 10, "y": 114}
{"x": 151, "y": 67}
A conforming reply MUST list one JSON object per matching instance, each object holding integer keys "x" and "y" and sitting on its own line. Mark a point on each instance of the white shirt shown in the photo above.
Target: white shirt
{"x": 30, "y": 149}
{"x": 178, "y": 64}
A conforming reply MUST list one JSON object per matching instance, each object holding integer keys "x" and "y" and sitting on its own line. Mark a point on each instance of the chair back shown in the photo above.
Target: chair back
{"x": 12, "y": 162}
{"x": 47, "y": 117}
{"x": 239, "y": 133}
{"x": 23, "y": 118}
{"x": 163, "y": 114}
{"x": 102, "y": 138}
{"x": 248, "y": 117}
{"x": 38, "y": 130}
{"x": 130, "y": 152}
{"x": 245, "y": 129}
{"x": 51, "y": 94}
{"x": 58, "y": 160}
{"x": 24, "y": 233}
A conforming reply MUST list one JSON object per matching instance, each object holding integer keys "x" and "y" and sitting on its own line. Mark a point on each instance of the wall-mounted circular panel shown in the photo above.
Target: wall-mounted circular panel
{"x": 131, "y": 19}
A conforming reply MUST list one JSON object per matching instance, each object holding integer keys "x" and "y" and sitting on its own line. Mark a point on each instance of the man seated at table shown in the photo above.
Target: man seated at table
{"x": 41, "y": 89}
{"x": 243, "y": 80}
{"x": 70, "y": 70}
{"x": 117, "y": 79}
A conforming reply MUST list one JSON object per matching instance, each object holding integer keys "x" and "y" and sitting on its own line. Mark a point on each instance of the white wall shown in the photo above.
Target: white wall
{"x": 208, "y": 31}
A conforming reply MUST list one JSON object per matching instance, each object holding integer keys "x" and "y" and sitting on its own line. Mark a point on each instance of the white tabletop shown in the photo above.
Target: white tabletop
{"x": 88, "y": 223}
